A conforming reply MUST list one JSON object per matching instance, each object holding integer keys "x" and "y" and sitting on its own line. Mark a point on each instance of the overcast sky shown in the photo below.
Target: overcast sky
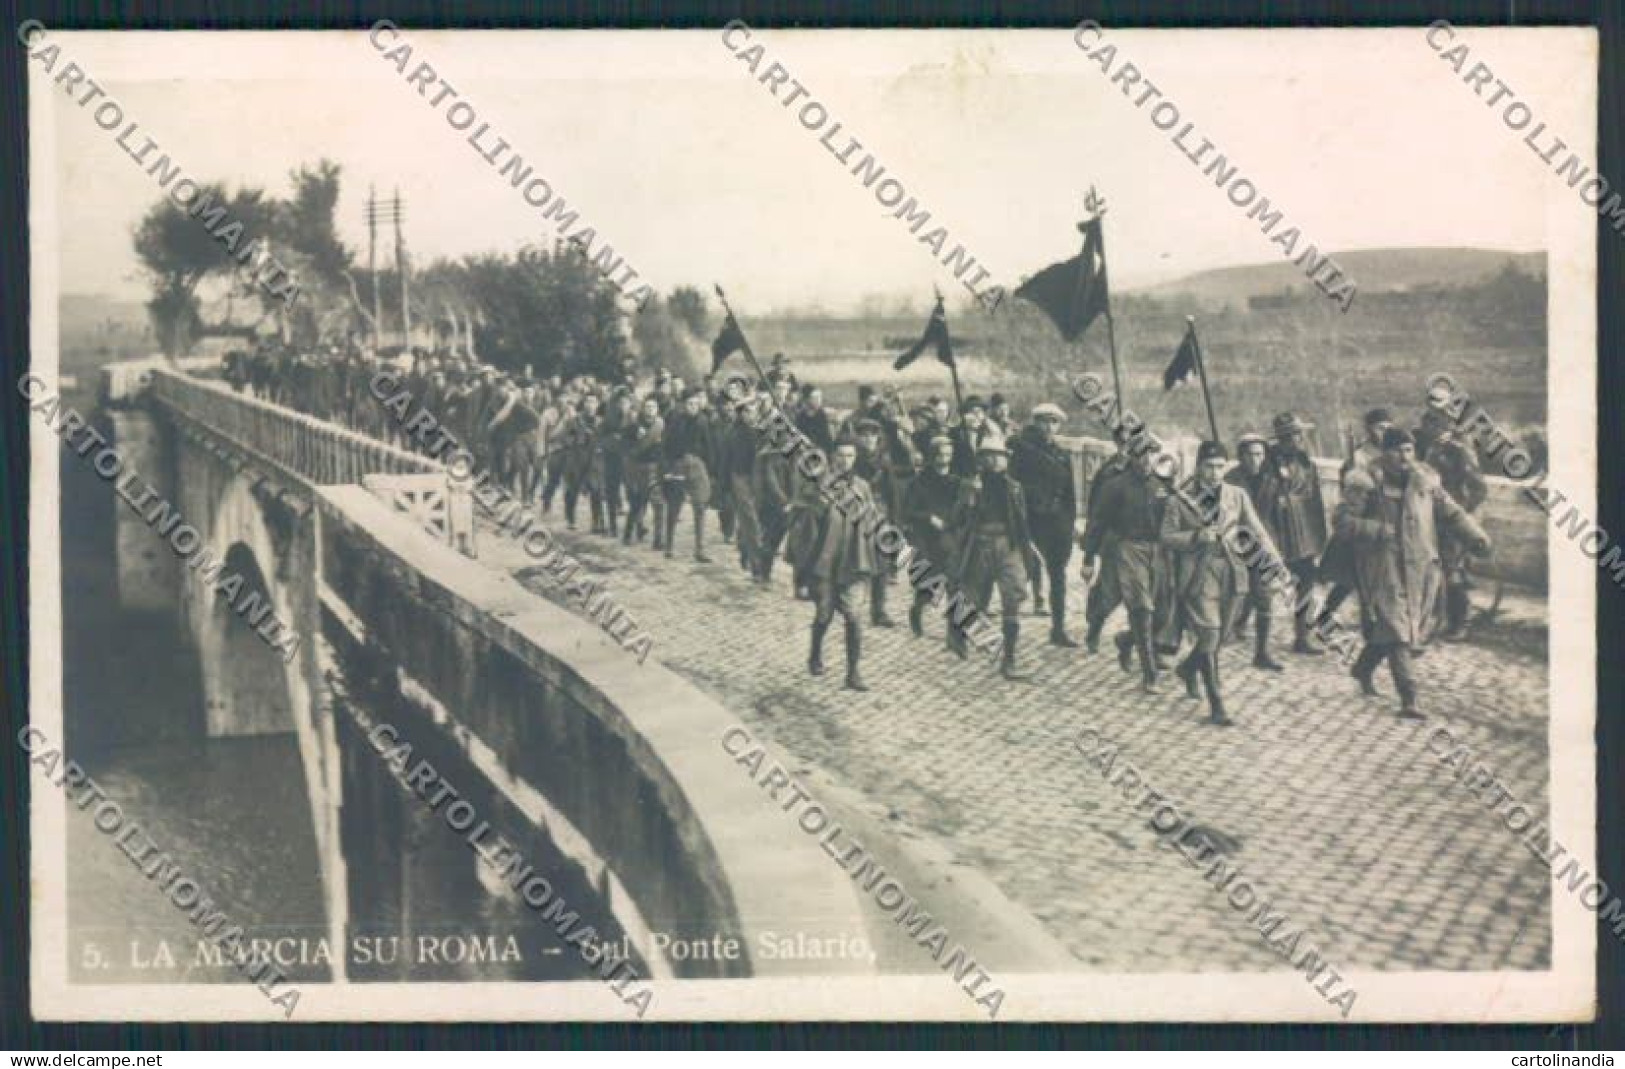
{"x": 694, "y": 173}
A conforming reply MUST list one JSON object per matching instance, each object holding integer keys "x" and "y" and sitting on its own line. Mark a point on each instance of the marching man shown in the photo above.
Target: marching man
{"x": 1211, "y": 566}
{"x": 991, "y": 518}
{"x": 1394, "y": 513}
{"x": 839, "y": 561}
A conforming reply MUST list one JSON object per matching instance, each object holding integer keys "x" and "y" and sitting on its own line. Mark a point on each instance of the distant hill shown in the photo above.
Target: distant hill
{"x": 1374, "y": 270}
{"x": 96, "y": 313}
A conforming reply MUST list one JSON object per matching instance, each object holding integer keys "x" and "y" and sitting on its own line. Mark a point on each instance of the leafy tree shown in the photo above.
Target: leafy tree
{"x": 663, "y": 338}
{"x": 308, "y": 224}
{"x": 179, "y": 251}
{"x": 444, "y": 294}
{"x": 550, "y": 309}
{"x": 175, "y": 320}
{"x": 689, "y": 306}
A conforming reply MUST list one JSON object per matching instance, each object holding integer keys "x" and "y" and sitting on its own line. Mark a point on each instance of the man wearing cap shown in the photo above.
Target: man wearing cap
{"x": 1337, "y": 563}
{"x": 779, "y": 368}
{"x": 1000, "y": 418}
{"x": 969, "y": 435}
{"x": 1395, "y": 527}
{"x": 927, "y": 515}
{"x": 662, "y": 392}
{"x": 719, "y": 415}
{"x": 642, "y": 446}
{"x": 990, "y": 518}
{"x": 686, "y": 445}
{"x": 1127, "y": 522}
{"x": 1044, "y": 471}
{"x": 558, "y": 445}
{"x": 927, "y": 426}
{"x": 583, "y": 464}
{"x": 1290, "y": 502}
{"x": 813, "y": 419}
{"x": 1103, "y": 592}
{"x": 773, "y": 488}
{"x": 867, "y": 409}
{"x": 1456, "y": 464}
{"x": 513, "y": 439}
{"x": 839, "y": 558}
{"x": 739, "y": 463}
{"x": 873, "y": 466}
{"x": 1251, "y": 474}
{"x": 1204, "y": 530}
{"x": 619, "y": 413}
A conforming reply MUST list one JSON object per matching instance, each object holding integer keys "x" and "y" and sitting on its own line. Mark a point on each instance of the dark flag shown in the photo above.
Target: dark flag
{"x": 936, "y": 334}
{"x": 731, "y": 340}
{"x": 1183, "y": 365}
{"x": 1072, "y": 292}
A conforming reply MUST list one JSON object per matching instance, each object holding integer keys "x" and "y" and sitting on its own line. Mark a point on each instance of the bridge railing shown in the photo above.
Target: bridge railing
{"x": 313, "y": 449}
{"x": 322, "y": 453}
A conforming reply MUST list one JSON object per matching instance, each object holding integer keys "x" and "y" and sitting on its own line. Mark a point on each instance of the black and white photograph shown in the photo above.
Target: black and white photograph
{"x": 764, "y": 524}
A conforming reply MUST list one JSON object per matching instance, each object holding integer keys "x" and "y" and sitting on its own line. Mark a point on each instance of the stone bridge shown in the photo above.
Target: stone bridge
{"x": 969, "y": 790}
{"x": 571, "y": 750}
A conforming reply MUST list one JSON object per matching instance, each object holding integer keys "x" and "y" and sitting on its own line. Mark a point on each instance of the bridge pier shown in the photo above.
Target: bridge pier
{"x": 636, "y": 816}
{"x": 148, "y": 571}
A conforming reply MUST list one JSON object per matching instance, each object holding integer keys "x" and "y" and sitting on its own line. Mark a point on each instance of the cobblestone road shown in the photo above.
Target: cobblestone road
{"x": 1343, "y": 817}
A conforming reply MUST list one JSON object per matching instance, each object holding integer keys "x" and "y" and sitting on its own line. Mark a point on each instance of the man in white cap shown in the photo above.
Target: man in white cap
{"x": 1044, "y": 470}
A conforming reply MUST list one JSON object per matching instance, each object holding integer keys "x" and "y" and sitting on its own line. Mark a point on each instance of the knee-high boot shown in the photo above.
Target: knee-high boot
{"x": 1007, "y": 664}
{"x": 1208, "y": 666}
{"x": 1399, "y": 663}
{"x": 1261, "y": 645}
{"x": 1140, "y": 625}
{"x": 1057, "y": 612}
{"x": 877, "y": 601}
{"x": 1188, "y": 671}
{"x": 854, "y": 653}
{"x": 916, "y": 614}
{"x": 699, "y": 535}
{"x": 1456, "y": 608}
{"x": 815, "y": 657}
{"x": 1365, "y": 664}
{"x": 672, "y": 512}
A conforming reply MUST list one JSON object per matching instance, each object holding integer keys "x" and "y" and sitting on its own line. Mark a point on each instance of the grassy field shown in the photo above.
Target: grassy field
{"x": 1270, "y": 353}
{"x": 1327, "y": 370}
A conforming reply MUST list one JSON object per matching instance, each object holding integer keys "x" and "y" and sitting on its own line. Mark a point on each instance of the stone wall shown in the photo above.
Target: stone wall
{"x": 625, "y": 759}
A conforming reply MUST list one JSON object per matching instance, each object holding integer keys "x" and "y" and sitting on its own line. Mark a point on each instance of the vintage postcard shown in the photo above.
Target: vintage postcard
{"x": 755, "y": 524}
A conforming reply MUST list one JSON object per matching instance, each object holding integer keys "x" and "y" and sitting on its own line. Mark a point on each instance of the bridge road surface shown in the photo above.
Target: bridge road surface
{"x": 1341, "y": 816}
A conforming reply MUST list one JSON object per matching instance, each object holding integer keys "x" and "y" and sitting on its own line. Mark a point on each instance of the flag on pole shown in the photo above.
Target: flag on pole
{"x": 729, "y": 341}
{"x": 1072, "y": 292}
{"x": 1183, "y": 365}
{"x": 936, "y": 334}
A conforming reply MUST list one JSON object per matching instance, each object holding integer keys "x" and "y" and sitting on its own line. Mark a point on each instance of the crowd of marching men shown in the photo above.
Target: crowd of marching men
{"x": 990, "y": 498}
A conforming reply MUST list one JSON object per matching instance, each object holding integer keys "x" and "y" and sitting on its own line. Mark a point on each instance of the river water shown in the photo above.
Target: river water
{"x": 235, "y": 816}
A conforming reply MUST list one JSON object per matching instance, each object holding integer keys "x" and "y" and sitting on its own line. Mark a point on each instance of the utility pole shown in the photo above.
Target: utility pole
{"x": 399, "y": 212}
{"x": 372, "y": 268}
{"x": 386, "y": 212}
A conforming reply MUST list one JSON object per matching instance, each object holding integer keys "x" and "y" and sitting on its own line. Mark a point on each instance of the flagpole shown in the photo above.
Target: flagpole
{"x": 744, "y": 342}
{"x": 1105, "y": 281}
{"x": 953, "y": 365}
{"x": 1201, "y": 374}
